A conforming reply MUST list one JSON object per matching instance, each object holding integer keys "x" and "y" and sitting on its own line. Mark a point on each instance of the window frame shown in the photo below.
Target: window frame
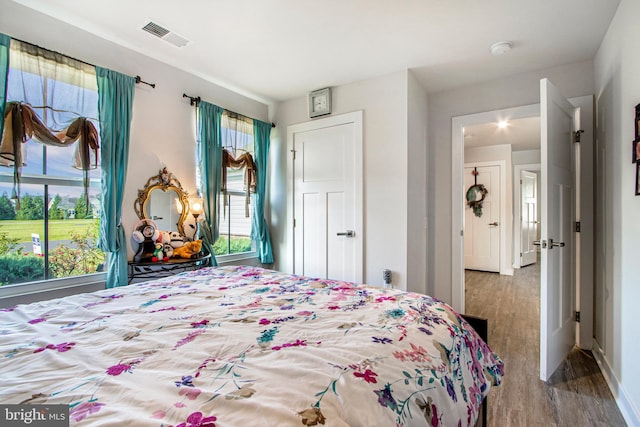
{"x": 28, "y": 64}
{"x": 228, "y": 258}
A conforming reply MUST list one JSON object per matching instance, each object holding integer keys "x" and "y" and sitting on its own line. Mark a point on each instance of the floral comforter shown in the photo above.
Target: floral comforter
{"x": 243, "y": 346}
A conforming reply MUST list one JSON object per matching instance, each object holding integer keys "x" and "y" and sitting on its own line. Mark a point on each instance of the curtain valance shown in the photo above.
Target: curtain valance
{"x": 22, "y": 124}
{"x": 243, "y": 161}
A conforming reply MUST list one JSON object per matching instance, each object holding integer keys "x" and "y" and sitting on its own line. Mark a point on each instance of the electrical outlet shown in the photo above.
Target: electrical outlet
{"x": 386, "y": 277}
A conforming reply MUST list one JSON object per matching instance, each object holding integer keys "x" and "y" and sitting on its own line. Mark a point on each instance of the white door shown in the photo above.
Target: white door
{"x": 528, "y": 217}
{"x": 558, "y": 121}
{"x": 327, "y": 181}
{"x": 482, "y": 233}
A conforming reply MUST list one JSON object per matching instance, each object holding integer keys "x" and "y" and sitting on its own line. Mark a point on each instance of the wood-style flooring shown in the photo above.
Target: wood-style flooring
{"x": 576, "y": 395}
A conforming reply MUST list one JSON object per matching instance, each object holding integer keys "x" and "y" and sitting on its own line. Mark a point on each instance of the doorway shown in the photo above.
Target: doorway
{"x": 458, "y": 190}
{"x": 527, "y": 210}
{"x": 584, "y": 242}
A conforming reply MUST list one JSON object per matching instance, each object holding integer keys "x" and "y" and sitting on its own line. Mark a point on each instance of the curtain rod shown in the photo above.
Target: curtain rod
{"x": 138, "y": 78}
{"x": 195, "y": 100}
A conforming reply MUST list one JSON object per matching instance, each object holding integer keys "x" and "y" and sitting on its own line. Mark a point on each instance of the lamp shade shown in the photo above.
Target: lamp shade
{"x": 195, "y": 206}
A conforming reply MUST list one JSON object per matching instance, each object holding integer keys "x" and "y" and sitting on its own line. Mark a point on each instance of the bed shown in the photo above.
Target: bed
{"x": 244, "y": 346}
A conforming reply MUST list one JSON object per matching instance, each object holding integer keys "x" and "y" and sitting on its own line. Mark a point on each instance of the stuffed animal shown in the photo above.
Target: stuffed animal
{"x": 168, "y": 250}
{"x": 176, "y": 239}
{"x": 165, "y": 237}
{"x": 158, "y": 254}
{"x": 145, "y": 234}
{"x": 188, "y": 250}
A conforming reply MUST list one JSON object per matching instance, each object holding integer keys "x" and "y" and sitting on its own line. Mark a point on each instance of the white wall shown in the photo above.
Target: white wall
{"x": 163, "y": 125}
{"x": 417, "y": 187}
{"x": 525, "y": 157}
{"x": 518, "y": 90}
{"x": 385, "y": 152}
{"x": 617, "y": 67}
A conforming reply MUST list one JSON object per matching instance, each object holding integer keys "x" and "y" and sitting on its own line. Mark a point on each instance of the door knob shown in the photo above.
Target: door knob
{"x": 493, "y": 224}
{"x": 541, "y": 243}
{"x": 348, "y": 233}
{"x": 553, "y": 244}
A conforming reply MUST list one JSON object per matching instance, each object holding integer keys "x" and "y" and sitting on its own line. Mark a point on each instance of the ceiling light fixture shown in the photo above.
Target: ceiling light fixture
{"x": 500, "y": 48}
{"x": 502, "y": 124}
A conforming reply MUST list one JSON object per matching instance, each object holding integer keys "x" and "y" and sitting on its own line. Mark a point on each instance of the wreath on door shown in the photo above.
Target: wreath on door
{"x": 475, "y": 196}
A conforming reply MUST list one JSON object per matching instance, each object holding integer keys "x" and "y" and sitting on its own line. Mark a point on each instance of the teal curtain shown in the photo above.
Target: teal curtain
{"x": 5, "y": 42}
{"x": 115, "y": 102}
{"x": 259, "y": 227}
{"x": 210, "y": 162}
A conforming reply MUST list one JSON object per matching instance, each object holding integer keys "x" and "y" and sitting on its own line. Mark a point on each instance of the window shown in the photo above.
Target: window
{"x": 49, "y": 219}
{"x": 236, "y": 206}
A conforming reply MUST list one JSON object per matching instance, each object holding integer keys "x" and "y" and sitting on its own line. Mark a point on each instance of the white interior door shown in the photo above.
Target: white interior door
{"x": 327, "y": 173}
{"x": 482, "y": 233}
{"x": 558, "y": 121}
{"x": 528, "y": 217}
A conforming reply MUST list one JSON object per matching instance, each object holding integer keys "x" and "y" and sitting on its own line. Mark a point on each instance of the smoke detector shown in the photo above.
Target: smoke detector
{"x": 500, "y": 48}
{"x": 165, "y": 34}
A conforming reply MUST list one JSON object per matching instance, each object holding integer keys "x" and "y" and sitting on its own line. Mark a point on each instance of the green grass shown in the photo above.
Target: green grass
{"x": 59, "y": 229}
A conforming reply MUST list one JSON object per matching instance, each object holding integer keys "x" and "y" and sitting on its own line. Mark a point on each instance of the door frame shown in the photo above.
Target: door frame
{"x": 457, "y": 188}
{"x": 517, "y": 208}
{"x": 502, "y": 165}
{"x": 341, "y": 119}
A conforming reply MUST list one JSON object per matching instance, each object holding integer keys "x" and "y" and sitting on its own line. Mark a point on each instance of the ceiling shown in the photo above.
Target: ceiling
{"x": 280, "y": 49}
{"x": 522, "y": 134}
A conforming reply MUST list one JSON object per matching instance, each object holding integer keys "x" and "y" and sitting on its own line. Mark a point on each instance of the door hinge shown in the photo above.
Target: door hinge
{"x": 576, "y": 135}
{"x": 577, "y": 226}
{"x": 520, "y": 254}
{"x": 294, "y": 223}
{"x": 577, "y": 317}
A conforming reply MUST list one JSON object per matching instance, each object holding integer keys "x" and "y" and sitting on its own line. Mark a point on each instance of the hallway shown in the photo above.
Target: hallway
{"x": 576, "y": 395}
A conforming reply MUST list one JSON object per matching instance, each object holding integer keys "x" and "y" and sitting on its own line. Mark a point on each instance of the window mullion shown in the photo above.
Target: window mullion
{"x": 229, "y": 225}
{"x": 45, "y": 213}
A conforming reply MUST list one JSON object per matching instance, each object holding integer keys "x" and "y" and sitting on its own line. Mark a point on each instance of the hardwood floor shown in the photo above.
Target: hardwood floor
{"x": 576, "y": 395}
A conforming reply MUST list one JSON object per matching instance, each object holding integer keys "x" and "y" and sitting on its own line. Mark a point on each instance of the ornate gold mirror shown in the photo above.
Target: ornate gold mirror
{"x": 164, "y": 201}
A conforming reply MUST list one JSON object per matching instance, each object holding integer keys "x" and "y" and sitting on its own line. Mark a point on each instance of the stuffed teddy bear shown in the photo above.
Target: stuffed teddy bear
{"x": 188, "y": 250}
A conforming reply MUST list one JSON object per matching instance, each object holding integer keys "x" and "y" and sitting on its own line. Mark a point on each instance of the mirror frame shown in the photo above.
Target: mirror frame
{"x": 164, "y": 181}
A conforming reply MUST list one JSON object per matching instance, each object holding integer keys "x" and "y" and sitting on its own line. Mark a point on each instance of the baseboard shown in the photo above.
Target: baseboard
{"x": 507, "y": 271}
{"x": 626, "y": 406}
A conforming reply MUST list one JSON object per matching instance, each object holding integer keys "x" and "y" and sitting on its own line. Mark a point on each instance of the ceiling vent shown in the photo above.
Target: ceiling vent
{"x": 165, "y": 34}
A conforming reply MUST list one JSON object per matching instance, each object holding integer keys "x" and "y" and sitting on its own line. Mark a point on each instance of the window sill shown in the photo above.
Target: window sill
{"x": 30, "y": 288}
{"x": 228, "y": 259}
